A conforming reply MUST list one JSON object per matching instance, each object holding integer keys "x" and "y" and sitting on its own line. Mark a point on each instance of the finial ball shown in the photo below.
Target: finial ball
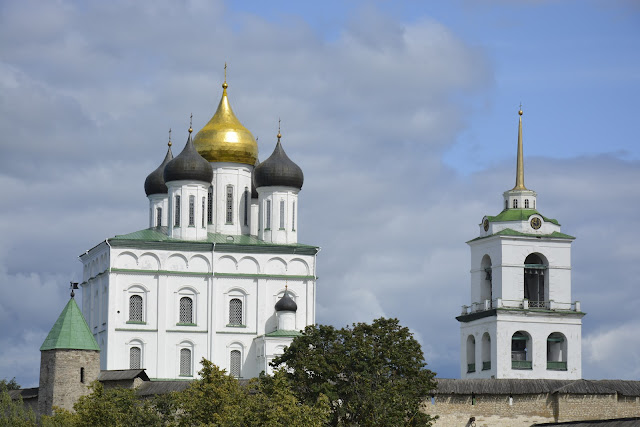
{"x": 520, "y": 112}
{"x": 279, "y": 135}
{"x": 190, "y": 129}
{"x": 225, "y": 85}
{"x": 169, "y": 144}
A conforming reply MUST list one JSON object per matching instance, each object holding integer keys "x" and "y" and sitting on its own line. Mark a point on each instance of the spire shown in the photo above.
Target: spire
{"x": 70, "y": 331}
{"x": 520, "y": 167}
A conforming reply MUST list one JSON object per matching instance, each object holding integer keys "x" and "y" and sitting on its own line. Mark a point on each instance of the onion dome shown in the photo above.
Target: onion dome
{"x": 254, "y": 191}
{"x": 286, "y": 303}
{"x": 154, "y": 184}
{"x": 278, "y": 170}
{"x": 224, "y": 138}
{"x": 188, "y": 165}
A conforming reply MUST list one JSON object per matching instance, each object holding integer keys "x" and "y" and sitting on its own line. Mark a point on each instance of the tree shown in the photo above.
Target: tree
{"x": 106, "y": 407}
{"x": 13, "y": 412}
{"x": 373, "y": 375}
{"x": 12, "y": 384}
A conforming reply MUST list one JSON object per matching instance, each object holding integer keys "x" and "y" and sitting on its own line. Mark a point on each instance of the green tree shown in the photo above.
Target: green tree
{"x": 13, "y": 412}
{"x": 106, "y": 407}
{"x": 373, "y": 375}
{"x": 12, "y": 384}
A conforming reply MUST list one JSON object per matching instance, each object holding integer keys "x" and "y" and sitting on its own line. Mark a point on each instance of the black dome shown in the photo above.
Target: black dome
{"x": 188, "y": 166}
{"x": 286, "y": 303}
{"x": 154, "y": 184}
{"x": 278, "y": 169}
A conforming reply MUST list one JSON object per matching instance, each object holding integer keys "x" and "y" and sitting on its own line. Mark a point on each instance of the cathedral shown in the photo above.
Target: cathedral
{"x": 218, "y": 274}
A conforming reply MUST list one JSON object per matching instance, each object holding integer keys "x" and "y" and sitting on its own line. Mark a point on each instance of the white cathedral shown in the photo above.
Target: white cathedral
{"x": 219, "y": 273}
{"x": 521, "y": 322}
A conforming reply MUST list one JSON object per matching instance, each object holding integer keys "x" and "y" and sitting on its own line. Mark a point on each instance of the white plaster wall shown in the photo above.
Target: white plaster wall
{"x": 239, "y": 176}
{"x": 185, "y": 189}
{"x": 276, "y": 234}
{"x": 478, "y": 328}
{"x": 158, "y": 201}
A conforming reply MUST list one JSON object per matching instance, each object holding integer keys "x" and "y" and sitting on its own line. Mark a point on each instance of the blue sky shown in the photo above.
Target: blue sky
{"x": 402, "y": 115}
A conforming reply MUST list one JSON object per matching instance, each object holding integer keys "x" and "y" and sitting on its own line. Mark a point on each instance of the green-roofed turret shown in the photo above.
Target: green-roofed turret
{"x": 70, "y": 331}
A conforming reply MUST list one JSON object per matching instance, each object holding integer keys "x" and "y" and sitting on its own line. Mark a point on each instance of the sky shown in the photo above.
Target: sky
{"x": 402, "y": 115}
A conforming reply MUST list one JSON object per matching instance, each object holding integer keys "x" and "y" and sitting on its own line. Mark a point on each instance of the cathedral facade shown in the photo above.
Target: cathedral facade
{"x": 218, "y": 273}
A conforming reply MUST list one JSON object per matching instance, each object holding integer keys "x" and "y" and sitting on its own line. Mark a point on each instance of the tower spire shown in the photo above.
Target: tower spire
{"x": 520, "y": 166}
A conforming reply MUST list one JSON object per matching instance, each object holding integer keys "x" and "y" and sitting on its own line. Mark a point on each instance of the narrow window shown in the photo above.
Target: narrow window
{"x": 186, "y": 310}
{"x": 176, "y": 221}
{"x": 534, "y": 204}
{"x": 229, "y": 204}
{"x": 235, "y": 312}
{"x": 135, "y": 308}
{"x": 210, "y": 206}
{"x": 473, "y": 398}
{"x": 282, "y": 214}
{"x": 526, "y": 203}
{"x": 268, "y": 227}
{"x": 185, "y": 362}
{"x": 293, "y": 217}
{"x": 192, "y": 210}
{"x": 234, "y": 363}
{"x": 134, "y": 358}
{"x": 158, "y": 217}
{"x": 82, "y": 375}
{"x": 246, "y": 206}
{"x": 515, "y": 203}
{"x": 506, "y": 204}
{"x": 203, "y": 211}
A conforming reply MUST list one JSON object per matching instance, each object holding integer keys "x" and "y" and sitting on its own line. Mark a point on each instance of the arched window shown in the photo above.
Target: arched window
{"x": 293, "y": 217}
{"x": 192, "y": 211}
{"x": 176, "y": 219}
{"x": 203, "y": 210}
{"x": 534, "y": 281}
{"x": 135, "y": 358}
{"x": 235, "y": 312}
{"x": 235, "y": 363}
{"x": 521, "y": 351}
{"x": 282, "y": 214}
{"x": 506, "y": 204}
{"x": 486, "y": 351}
{"x": 486, "y": 291}
{"x": 526, "y": 203}
{"x": 186, "y": 310}
{"x": 135, "y": 308}
{"x": 210, "y": 206}
{"x": 268, "y": 214}
{"x": 229, "y": 204}
{"x": 515, "y": 203}
{"x": 158, "y": 217}
{"x": 246, "y": 206}
{"x": 471, "y": 354}
{"x": 185, "y": 362}
{"x": 556, "y": 352}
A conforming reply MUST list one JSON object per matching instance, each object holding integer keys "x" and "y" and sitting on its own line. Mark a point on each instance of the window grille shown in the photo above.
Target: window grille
{"x": 234, "y": 363}
{"x": 246, "y": 206}
{"x": 281, "y": 213}
{"x": 268, "y": 214}
{"x": 186, "y": 310}
{"x": 526, "y": 203}
{"x": 210, "y": 206}
{"x": 293, "y": 217}
{"x": 515, "y": 203}
{"x": 192, "y": 210}
{"x": 135, "y": 354}
{"x": 176, "y": 221}
{"x": 185, "y": 362}
{"x": 203, "y": 211}
{"x": 158, "y": 217}
{"x": 229, "y": 204}
{"x": 235, "y": 312}
{"x": 135, "y": 308}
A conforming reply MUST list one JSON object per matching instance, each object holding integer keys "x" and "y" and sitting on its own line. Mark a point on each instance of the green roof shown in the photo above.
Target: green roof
{"x": 157, "y": 237}
{"x": 283, "y": 333}
{"x": 518, "y": 215}
{"x": 510, "y": 232}
{"x": 70, "y": 331}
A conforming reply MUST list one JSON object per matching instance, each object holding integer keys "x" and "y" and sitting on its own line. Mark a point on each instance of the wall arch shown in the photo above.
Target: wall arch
{"x": 471, "y": 354}
{"x": 199, "y": 264}
{"x": 176, "y": 262}
{"x": 298, "y": 267}
{"x": 276, "y": 266}
{"x": 248, "y": 265}
{"x": 149, "y": 261}
{"x": 227, "y": 264}
{"x": 125, "y": 260}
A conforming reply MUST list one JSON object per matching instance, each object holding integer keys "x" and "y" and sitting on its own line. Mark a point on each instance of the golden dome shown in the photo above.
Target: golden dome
{"x": 224, "y": 139}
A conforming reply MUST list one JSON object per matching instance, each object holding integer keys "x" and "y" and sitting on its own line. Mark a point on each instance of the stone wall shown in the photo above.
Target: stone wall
{"x": 60, "y": 377}
{"x": 525, "y": 410}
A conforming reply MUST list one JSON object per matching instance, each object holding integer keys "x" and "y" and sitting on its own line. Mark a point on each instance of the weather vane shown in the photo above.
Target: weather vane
{"x": 73, "y": 286}
{"x": 169, "y": 137}
{"x": 225, "y": 72}
{"x": 191, "y": 123}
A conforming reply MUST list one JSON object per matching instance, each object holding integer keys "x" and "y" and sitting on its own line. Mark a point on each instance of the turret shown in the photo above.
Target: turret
{"x": 188, "y": 177}
{"x": 286, "y": 309}
{"x": 278, "y": 181}
{"x": 156, "y": 190}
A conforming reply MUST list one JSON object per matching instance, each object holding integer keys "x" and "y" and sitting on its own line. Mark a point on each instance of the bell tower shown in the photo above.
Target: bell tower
{"x": 521, "y": 321}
